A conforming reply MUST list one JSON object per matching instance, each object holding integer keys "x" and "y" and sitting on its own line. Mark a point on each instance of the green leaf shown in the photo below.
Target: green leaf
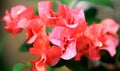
{"x": 60, "y": 63}
{"x": 18, "y": 67}
{"x": 81, "y": 65}
{"x": 107, "y": 3}
{"x": 28, "y": 64}
{"x": 73, "y": 65}
{"x": 52, "y": 0}
{"x": 106, "y": 58}
{"x": 25, "y": 47}
{"x": 50, "y": 68}
{"x": 90, "y": 15}
{"x": 48, "y": 30}
{"x": 1, "y": 46}
{"x": 66, "y": 1}
{"x": 118, "y": 52}
{"x": 98, "y": 68}
{"x": 118, "y": 32}
{"x": 36, "y": 9}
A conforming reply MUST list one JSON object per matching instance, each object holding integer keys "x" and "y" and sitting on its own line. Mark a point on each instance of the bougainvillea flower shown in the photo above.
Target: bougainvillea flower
{"x": 10, "y": 19}
{"x": 15, "y": 11}
{"x": 40, "y": 63}
{"x": 46, "y": 13}
{"x": 103, "y": 36}
{"x": 25, "y": 16}
{"x": 71, "y": 17}
{"x": 50, "y": 56}
{"x": 61, "y": 37}
{"x": 16, "y": 18}
{"x": 46, "y": 54}
{"x": 39, "y": 47}
{"x": 81, "y": 47}
{"x": 110, "y": 28}
{"x": 34, "y": 28}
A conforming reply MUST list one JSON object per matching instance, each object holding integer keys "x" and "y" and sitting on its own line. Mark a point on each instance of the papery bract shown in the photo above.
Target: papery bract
{"x": 110, "y": 28}
{"x": 82, "y": 47}
{"x": 53, "y": 55}
{"x": 40, "y": 63}
{"x": 46, "y": 54}
{"x": 71, "y": 17}
{"x": 15, "y": 11}
{"x": 61, "y": 37}
{"x": 26, "y": 16}
{"x": 34, "y": 28}
{"x": 102, "y": 36}
{"x": 10, "y": 19}
{"x": 17, "y": 18}
{"x": 46, "y": 13}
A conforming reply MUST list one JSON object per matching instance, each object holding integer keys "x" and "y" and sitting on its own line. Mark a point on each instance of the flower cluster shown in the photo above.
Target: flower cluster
{"x": 71, "y": 36}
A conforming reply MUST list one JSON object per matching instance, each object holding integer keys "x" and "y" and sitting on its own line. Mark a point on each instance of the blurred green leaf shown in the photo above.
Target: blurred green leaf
{"x": 73, "y": 65}
{"x": 107, "y": 3}
{"x": 25, "y": 47}
{"x": 118, "y": 52}
{"x": 99, "y": 68}
{"x": 18, "y": 67}
{"x": 66, "y": 1}
{"x": 36, "y": 9}
{"x": 28, "y": 64}
{"x": 118, "y": 47}
{"x": 106, "y": 58}
{"x": 50, "y": 68}
{"x": 81, "y": 65}
{"x": 90, "y": 15}
{"x": 118, "y": 32}
{"x": 48, "y": 30}
{"x": 1, "y": 46}
{"x": 60, "y": 63}
{"x": 52, "y": 0}
{"x": 4, "y": 65}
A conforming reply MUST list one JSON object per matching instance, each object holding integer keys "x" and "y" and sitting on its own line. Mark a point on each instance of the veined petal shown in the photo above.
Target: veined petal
{"x": 57, "y": 35}
{"x": 70, "y": 51}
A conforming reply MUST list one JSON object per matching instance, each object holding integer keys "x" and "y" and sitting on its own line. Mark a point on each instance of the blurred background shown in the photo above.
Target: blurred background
{"x": 9, "y": 45}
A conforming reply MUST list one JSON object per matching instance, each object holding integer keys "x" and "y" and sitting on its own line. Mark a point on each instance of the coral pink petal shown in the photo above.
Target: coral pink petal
{"x": 44, "y": 7}
{"x": 53, "y": 55}
{"x": 15, "y": 11}
{"x": 110, "y": 25}
{"x": 32, "y": 39}
{"x": 94, "y": 53}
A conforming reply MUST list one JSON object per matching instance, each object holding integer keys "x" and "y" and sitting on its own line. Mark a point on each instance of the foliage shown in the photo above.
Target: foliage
{"x": 107, "y": 3}
{"x": 18, "y": 67}
{"x": 25, "y": 47}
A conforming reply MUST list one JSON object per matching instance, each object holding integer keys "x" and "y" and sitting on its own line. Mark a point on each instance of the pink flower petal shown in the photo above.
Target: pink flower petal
{"x": 70, "y": 51}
